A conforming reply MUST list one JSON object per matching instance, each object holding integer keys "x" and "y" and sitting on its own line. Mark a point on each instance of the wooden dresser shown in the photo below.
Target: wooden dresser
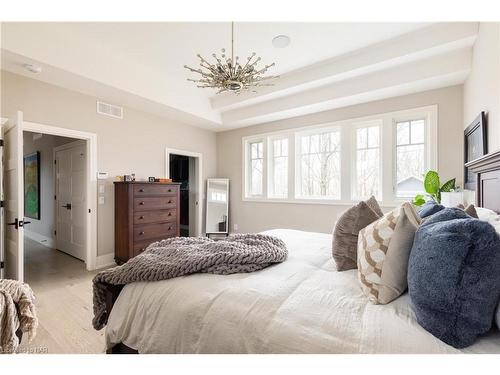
{"x": 145, "y": 212}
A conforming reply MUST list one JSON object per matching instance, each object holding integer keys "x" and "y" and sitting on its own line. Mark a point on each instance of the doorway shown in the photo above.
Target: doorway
{"x": 54, "y": 203}
{"x": 186, "y": 167}
{"x": 12, "y": 244}
{"x": 182, "y": 170}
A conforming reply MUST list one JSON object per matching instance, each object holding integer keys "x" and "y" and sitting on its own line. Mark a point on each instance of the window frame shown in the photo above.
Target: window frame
{"x": 297, "y": 181}
{"x": 248, "y": 167}
{"x": 354, "y": 155}
{"x": 430, "y": 143}
{"x": 270, "y": 166}
{"x": 347, "y": 154}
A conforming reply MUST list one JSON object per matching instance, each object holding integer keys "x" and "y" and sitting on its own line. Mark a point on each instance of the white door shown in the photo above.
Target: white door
{"x": 14, "y": 199}
{"x": 71, "y": 206}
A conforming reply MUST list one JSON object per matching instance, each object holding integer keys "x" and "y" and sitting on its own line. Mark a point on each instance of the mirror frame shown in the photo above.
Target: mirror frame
{"x": 226, "y": 180}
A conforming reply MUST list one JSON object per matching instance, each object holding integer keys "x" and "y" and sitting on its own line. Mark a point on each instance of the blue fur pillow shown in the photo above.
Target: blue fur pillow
{"x": 453, "y": 278}
{"x": 430, "y": 208}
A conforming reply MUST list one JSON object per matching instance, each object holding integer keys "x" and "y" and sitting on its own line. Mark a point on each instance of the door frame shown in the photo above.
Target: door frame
{"x": 198, "y": 157}
{"x": 91, "y": 196}
{"x": 3, "y": 121}
{"x": 65, "y": 146}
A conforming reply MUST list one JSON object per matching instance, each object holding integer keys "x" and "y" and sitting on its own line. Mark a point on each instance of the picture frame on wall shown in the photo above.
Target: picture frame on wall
{"x": 475, "y": 146}
{"x": 31, "y": 163}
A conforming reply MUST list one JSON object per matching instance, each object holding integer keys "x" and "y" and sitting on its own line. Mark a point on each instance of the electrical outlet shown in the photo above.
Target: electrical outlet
{"x": 235, "y": 227}
{"x": 101, "y": 200}
{"x": 101, "y": 188}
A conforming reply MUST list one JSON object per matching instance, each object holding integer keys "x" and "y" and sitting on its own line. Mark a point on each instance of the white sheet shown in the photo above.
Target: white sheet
{"x": 300, "y": 306}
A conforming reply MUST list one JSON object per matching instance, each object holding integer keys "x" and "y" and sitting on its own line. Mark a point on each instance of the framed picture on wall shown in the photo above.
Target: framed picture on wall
{"x": 475, "y": 146}
{"x": 32, "y": 185}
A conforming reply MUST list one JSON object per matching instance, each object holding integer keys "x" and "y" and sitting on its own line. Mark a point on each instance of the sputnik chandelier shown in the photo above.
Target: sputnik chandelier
{"x": 228, "y": 74}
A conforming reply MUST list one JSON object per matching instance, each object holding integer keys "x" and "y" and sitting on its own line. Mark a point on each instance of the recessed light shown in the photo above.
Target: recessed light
{"x": 33, "y": 68}
{"x": 281, "y": 41}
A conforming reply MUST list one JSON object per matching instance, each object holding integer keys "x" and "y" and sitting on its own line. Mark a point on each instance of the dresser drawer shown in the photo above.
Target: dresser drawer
{"x": 154, "y": 203}
{"x": 154, "y": 231}
{"x": 151, "y": 189}
{"x": 139, "y": 247}
{"x": 148, "y": 217}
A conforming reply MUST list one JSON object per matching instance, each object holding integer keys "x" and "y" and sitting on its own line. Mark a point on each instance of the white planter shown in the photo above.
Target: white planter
{"x": 452, "y": 199}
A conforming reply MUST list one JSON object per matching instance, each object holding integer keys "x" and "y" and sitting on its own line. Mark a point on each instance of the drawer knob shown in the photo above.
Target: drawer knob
{"x": 141, "y": 233}
{"x": 169, "y": 201}
{"x": 141, "y": 190}
{"x": 141, "y": 203}
{"x": 170, "y": 214}
{"x": 141, "y": 217}
{"x": 169, "y": 228}
{"x": 169, "y": 190}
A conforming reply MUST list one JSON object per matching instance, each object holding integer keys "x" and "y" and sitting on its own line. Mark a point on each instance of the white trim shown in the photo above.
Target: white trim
{"x": 105, "y": 261}
{"x": 91, "y": 142}
{"x": 199, "y": 188}
{"x": 3, "y": 120}
{"x": 40, "y": 238}
{"x": 346, "y": 126}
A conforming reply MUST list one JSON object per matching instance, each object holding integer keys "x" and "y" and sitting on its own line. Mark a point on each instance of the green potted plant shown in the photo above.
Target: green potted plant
{"x": 433, "y": 188}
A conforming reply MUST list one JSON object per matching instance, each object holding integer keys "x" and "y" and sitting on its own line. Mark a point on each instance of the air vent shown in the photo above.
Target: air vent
{"x": 111, "y": 110}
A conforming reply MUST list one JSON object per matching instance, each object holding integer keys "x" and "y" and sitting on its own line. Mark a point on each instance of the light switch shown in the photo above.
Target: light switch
{"x": 101, "y": 200}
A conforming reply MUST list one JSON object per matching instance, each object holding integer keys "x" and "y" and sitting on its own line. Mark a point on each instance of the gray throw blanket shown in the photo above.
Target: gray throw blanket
{"x": 17, "y": 310}
{"x": 181, "y": 256}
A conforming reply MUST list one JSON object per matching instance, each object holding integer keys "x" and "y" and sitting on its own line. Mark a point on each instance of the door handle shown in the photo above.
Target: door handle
{"x": 19, "y": 223}
{"x": 67, "y": 206}
{"x": 15, "y": 223}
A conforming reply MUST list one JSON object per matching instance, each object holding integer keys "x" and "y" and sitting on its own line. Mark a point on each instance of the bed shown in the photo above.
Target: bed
{"x": 300, "y": 306}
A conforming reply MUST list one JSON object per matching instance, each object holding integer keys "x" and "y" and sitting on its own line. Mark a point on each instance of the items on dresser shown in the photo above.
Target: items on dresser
{"x": 145, "y": 212}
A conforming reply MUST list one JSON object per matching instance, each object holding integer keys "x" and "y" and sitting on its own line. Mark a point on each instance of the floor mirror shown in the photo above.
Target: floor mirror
{"x": 217, "y": 213}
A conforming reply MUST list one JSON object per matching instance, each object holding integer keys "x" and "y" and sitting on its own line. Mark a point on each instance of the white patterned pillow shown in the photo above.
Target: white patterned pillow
{"x": 383, "y": 251}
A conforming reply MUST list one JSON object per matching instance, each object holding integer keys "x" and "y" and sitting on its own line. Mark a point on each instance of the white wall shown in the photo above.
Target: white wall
{"x": 258, "y": 216}
{"x": 45, "y": 145}
{"x": 135, "y": 144}
{"x": 482, "y": 87}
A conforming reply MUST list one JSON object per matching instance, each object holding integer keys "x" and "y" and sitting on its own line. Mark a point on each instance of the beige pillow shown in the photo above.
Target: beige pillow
{"x": 383, "y": 252}
{"x": 469, "y": 210}
{"x": 345, "y": 233}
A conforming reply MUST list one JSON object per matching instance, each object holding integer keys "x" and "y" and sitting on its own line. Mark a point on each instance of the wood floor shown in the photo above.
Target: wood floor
{"x": 63, "y": 290}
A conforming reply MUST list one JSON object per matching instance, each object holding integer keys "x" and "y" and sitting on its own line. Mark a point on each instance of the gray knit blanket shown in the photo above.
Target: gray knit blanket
{"x": 17, "y": 310}
{"x": 181, "y": 256}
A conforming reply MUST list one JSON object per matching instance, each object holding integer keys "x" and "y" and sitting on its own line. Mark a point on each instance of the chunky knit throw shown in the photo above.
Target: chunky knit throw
{"x": 17, "y": 310}
{"x": 181, "y": 256}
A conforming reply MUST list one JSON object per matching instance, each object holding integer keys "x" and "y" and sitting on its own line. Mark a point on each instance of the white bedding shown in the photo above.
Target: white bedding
{"x": 300, "y": 306}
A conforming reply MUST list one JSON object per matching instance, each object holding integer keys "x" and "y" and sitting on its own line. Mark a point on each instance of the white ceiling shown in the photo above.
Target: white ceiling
{"x": 141, "y": 64}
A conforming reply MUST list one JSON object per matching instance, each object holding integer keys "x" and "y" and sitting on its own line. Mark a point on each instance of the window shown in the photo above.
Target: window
{"x": 367, "y": 160}
{"x": 384, "y": 155}
{"x": 278, "y": 168}
{"x": 218, "y": 196}
{"x": 256, "y": 151}
{"x": 319, "y": 165}
{"x": 410, "y": 157}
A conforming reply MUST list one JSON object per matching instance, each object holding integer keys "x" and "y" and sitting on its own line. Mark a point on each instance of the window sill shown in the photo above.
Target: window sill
{"x": 329, "y": 202}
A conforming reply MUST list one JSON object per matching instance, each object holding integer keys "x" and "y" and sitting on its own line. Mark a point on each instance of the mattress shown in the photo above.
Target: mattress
{"x": 302, "y": 305}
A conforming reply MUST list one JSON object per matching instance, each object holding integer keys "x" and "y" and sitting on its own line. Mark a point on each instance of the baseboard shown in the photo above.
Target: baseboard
{"x": 104, "y": 261}
{"x": 37, "y": 237}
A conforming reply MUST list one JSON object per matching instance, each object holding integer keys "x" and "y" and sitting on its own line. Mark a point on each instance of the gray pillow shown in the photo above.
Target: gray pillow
{"x": 345, "y": 233}
{"x": 453, "y": 278}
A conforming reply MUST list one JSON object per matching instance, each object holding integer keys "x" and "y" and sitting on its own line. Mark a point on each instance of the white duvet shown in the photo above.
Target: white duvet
{"x": 300, "y": 306}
